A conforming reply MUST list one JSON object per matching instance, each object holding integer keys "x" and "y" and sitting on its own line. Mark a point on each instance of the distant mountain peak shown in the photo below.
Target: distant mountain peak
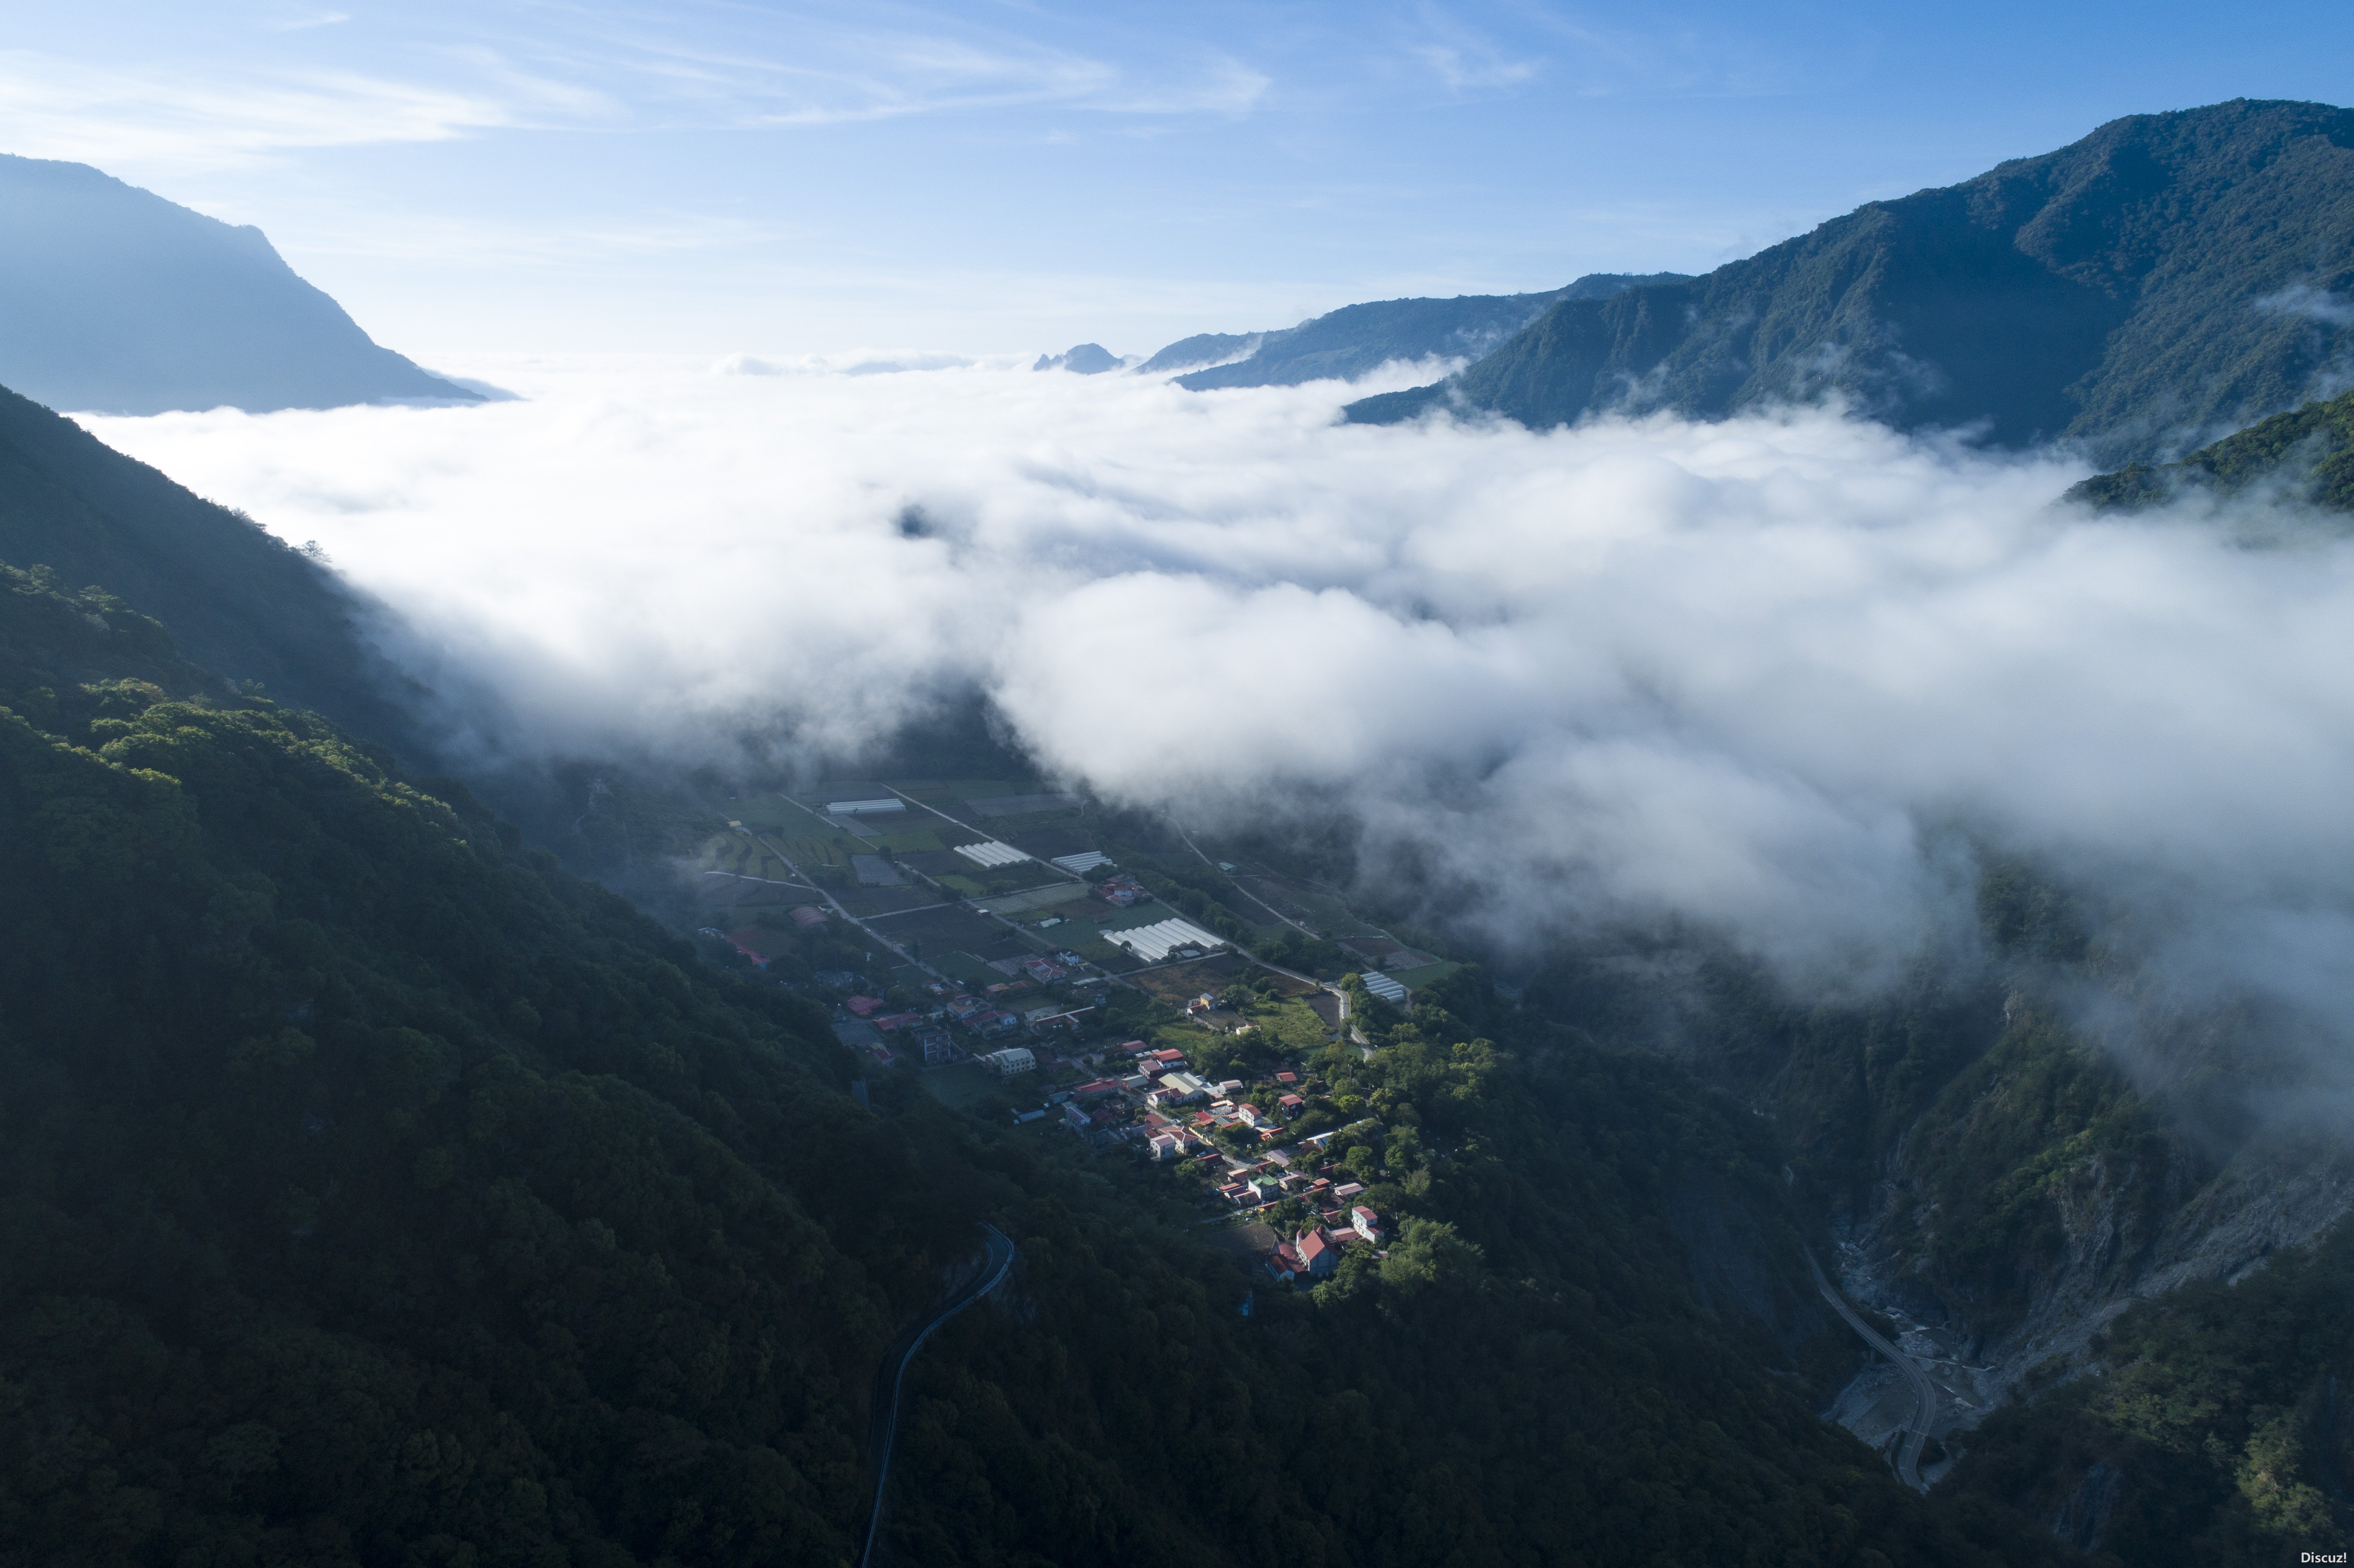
{"x": 114, "y": 300}
{"x": 1085, "y": 359}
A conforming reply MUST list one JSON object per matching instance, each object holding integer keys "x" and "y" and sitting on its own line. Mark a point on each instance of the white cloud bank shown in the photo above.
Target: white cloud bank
{"x": 1752, "y": 675}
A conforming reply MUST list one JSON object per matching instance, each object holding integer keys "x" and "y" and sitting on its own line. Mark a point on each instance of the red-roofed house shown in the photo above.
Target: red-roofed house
{"x": 1366, "y": 1223}
{"x": 808, "y": 915}
{"x": 1317, "y": 1256}
{"x": 1290, "y": 1106}
{"x": 891, "y": 1020}
{"x": 864, "y": 1006}
{"x": 1286, "y": 1077}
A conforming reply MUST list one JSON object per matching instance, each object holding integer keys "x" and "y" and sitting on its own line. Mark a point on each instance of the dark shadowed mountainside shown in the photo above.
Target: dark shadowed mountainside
{"x": 2168, "y": 276}
{"x": 241, "y": 601}
{"x": 376, "y": 1193}
{"x": 1355, "y": 339}
{"x": 115, "y": 301}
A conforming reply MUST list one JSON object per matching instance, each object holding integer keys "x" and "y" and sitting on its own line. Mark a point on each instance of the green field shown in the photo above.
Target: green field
{"x": 1015, "y": 904}
{"x": 808, "y": 853}
{"x": 966, "y": 1087}
{"x": 964, "y": 967}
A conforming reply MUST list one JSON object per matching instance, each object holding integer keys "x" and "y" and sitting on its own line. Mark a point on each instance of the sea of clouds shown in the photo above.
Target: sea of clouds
{"x": 1777, "y": 678}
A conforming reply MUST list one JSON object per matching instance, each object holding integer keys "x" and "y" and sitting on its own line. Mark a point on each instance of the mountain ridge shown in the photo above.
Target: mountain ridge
{"x": 2153, "y": 280}
{"x": 1357, "y": 339}
{"x": 115, "y": 299}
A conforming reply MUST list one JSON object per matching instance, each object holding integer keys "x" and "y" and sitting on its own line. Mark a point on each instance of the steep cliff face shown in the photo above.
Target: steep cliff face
{"x": 2045, "y": 1191}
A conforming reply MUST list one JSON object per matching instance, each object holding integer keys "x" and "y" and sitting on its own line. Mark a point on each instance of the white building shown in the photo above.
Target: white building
{"x": 1006, "y": 1064}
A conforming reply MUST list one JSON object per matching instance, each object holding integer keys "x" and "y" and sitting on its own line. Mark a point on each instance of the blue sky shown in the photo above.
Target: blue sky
{"x": 508, "y": 175}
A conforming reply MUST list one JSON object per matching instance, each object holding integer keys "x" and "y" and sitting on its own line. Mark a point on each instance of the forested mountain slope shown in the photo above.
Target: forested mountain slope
{"x": 2304, "y": 456}
{"x": 240, "y": 602}
{"x": 2215, "y": 1433}
{"x": 376, "y": 1192}
{"x": 115, "y": 301}
{"x": 1357, "y": 339}
{"x": 2001, "y": 1177}
{"x": 2168, "y": 275}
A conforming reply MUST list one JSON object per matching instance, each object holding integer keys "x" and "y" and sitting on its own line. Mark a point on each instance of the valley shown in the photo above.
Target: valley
{"x": 1717, "y": 937}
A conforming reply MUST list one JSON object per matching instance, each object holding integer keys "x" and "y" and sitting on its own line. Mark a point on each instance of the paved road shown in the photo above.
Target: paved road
{"x": 1908, "y": 1456}
{"x": 892, "y": 1369}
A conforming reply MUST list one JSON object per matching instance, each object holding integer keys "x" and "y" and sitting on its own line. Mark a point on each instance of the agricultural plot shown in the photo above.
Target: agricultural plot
{"x": 910, "y": 840}
{"x": 1047, "y": 843}
{"x": 1023, "y": 826}
{"x": 1294, "y": 1027}
{"x": 793, "y": 818}
{"x": 935, "y": 863}
{"x": 863, "y": 902}
{"x": 811, "y": 853}
{"x": 1007, "y": 946}
{"x": 1000, "y": 880}
{"x": 1155, "y": 942}
{"x": 1416, "y": 979}
{"x": 1015, "y": 905}
{"x": 1295, "y": 901}
{"x": 1150, "y": 912}
{"x": 940, "y": 930}
{"x": 955, "y": 792}
{"x": 1043, "y": 805}
{"x": 964, "y": 967}
{"x": 1102, "y": 954}
{"x": 874, "y": 871}
{"x": 1181, "y": 983}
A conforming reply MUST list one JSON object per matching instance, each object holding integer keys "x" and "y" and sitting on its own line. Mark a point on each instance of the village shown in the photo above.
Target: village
{"x": 1027, "y": 973}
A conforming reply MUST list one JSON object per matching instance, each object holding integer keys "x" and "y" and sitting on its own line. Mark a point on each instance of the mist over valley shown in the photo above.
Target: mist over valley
{"x": 1698, "y": 915}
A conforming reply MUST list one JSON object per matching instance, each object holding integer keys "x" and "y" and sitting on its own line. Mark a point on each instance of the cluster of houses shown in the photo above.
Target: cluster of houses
{"x": 1175, "y": 1112}
{"x": 1315, "y": 1251}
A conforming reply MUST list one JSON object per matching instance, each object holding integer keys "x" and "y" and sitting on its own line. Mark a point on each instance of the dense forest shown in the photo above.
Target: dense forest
{"x": 378, "y": 1193}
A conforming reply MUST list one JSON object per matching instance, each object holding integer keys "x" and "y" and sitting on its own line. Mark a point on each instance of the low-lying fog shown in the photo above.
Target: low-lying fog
{"x": 1766, "y": 675}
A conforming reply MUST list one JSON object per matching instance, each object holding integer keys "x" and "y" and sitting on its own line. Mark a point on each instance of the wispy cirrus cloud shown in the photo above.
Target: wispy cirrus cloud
{"x": 191, "y": 117}
{"x": 812, "y": 68}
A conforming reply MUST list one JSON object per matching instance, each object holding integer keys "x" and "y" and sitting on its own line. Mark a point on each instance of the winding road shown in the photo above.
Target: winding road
{"x": 892, "y": 1369}
{"x": 1908, "y": 1456}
